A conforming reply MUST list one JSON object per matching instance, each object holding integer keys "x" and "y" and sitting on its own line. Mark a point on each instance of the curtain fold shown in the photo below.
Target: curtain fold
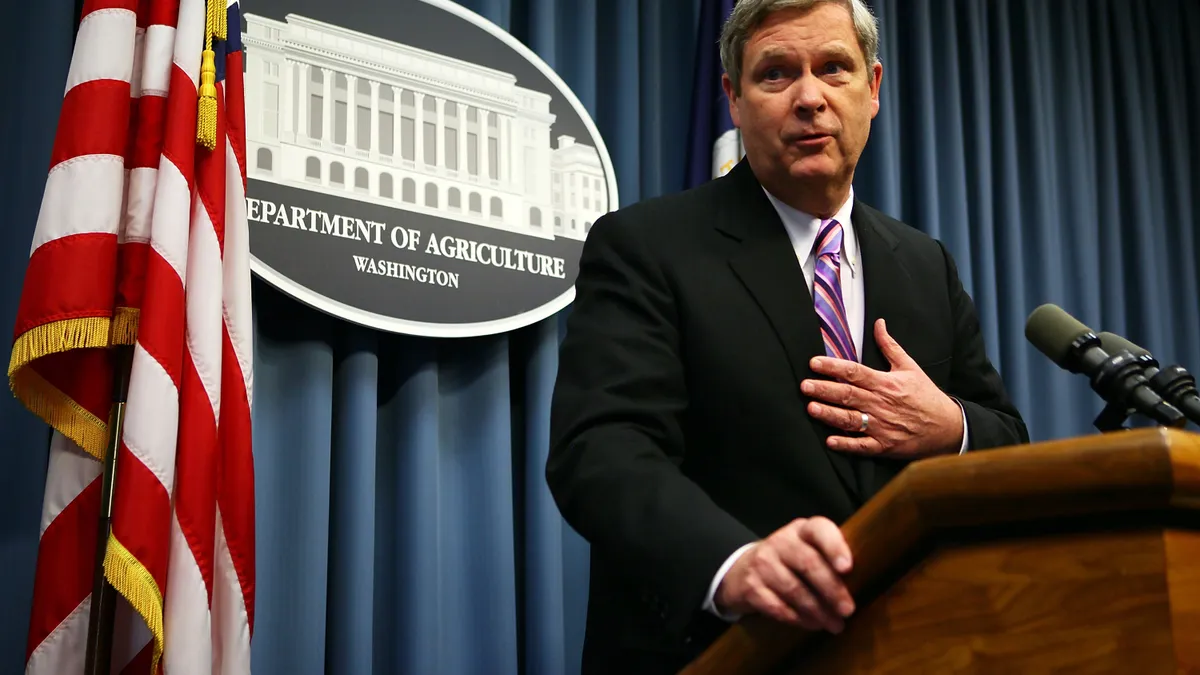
{"x": 415, "y": 465}
{"x": 36, "y": 52}
{"x": 1047, "y": 143}
{"x": 403, "y": 522}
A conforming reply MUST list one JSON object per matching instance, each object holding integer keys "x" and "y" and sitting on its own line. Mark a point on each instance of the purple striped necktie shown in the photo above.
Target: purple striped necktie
{"x": 827, "y": 292}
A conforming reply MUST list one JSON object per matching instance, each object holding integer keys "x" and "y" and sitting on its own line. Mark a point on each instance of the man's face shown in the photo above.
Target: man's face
{"x": 807, "y": 97}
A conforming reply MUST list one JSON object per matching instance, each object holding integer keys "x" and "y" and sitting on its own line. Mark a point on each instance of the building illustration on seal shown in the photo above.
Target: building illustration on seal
{"x": 339, "y": 112}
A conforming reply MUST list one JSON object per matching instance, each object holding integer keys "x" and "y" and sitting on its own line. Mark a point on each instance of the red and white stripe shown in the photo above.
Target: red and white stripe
{"x": 148, "y": 91}
{"x": 75, "y": 248}
{"x": 62, "y": 589}
{"x": 146, "y": 478}
{"x": 193, "y": 529}
{"x": 234, "y": 576}
{"x": 173, "y": 217}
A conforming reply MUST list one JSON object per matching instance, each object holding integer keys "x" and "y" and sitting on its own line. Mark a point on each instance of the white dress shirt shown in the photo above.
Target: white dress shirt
{"x": 802, "y": 229}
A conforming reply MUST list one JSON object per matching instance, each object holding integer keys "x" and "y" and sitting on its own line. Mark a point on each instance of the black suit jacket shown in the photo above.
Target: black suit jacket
{"x": 678, "y": 429}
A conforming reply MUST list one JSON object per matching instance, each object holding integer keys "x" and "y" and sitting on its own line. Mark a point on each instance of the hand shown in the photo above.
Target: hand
{"x": 908, "y": 415}
{"x": 793, "y": 577}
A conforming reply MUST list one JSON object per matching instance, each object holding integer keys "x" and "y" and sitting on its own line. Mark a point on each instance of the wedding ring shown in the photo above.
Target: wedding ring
{"x": 865, "y": 419}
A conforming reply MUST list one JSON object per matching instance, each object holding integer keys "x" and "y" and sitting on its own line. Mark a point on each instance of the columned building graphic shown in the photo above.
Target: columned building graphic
{"x": 579, "y": 190}
{"x": 347, "y": 114}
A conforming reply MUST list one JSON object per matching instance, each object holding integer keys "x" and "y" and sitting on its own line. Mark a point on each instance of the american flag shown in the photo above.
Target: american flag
{"x": 142, "y": 241}
{"x": 714, "y": 143}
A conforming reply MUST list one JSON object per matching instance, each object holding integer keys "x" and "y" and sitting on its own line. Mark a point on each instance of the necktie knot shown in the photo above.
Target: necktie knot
{"x": 829, "y": 238}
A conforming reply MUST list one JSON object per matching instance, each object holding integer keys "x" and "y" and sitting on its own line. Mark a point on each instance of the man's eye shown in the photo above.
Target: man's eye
{"x": 773, "y": 73}
{"x": 835, "y": 68}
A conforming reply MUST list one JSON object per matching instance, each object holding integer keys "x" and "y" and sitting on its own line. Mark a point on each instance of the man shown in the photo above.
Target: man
{"x": 750, "y": 361}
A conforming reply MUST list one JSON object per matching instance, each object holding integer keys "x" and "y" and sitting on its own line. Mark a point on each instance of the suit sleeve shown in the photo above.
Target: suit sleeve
{"x": 992, "y": 419}
{"x": 616, "y": 442}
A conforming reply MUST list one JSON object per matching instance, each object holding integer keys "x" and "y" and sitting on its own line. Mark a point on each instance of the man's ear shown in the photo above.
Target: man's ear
{"x": 876, "y": 81}
{"x": 731, "y": 96}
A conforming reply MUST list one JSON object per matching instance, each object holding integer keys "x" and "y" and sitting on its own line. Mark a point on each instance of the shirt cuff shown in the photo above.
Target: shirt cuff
{"x": 709, "y": 603}
{"x": 966, "y": 441}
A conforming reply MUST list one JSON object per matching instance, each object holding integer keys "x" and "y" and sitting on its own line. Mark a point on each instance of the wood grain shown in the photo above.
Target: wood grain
{"x": 1185, "y": 465}
{"x": 1094, "y": 602}
{"x": 998, "y": 504}
{"x": 1183, "y": 582}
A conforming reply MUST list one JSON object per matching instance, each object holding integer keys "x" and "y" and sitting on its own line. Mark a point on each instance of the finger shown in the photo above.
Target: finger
{"x": 891, "y": 349}
{"x": 846, "y": 371}
{"x": 859, "y": 445}
{"x": 837, "y": 393}
{"x": 822, "y": 534}
{"x": 793, "y": 579}
{"x": 765, "y": 601}
{"x": 827, "y": 541}
{"x": 839, "y": 418}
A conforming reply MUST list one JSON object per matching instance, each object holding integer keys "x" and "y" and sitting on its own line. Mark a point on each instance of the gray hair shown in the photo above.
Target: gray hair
{"x": 747, "y": 15}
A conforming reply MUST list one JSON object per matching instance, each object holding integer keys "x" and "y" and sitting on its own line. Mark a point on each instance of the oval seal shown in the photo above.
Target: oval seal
{"x": 414, "y": 168}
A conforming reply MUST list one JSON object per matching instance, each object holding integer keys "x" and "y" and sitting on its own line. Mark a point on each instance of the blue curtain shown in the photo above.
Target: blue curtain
{"x": 36, "y": 55}
{"x": 403, "y": 522}
{"x": 404, "y": 525}
{"x": 1051, "y": 144}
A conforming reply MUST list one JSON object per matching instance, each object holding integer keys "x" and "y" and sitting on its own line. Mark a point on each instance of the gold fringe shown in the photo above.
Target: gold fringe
{"x": 125, "y": 326}
{"x": 46, "y": 400}
{"x": 58, "y": 336}
{"x": 135, "y": 583}
{"x": 206, "y": 116}
{"x": 61, "y": 412}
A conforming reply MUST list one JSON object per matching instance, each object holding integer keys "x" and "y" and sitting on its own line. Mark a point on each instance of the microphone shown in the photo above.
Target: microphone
{"x": 1173, "y": 383}
{"x": 1117, "y": 378}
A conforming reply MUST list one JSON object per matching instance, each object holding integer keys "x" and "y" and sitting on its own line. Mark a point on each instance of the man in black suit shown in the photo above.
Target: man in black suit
{"x": 748, "y": 362}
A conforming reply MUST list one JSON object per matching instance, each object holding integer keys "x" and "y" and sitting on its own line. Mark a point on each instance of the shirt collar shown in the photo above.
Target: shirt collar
{"x": 802, "y": 229}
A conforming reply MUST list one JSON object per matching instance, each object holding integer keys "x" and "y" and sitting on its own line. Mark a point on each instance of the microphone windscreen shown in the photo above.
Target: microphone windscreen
{"x": 1052, "y": 331}
{"x": 1113, "y": 343}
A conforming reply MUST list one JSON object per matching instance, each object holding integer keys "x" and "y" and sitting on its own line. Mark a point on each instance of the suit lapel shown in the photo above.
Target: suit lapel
{"x": 884, "y": 281}
{"x": 767, "y": 266}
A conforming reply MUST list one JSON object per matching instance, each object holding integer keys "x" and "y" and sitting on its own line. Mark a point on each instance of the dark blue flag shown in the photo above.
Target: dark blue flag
{"x": 714, "y": 145}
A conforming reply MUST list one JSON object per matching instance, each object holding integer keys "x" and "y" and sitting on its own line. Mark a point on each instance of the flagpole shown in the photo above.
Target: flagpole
{"x": 104, "y": 596}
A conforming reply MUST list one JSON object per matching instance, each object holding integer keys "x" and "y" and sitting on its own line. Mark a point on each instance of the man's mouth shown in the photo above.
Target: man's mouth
{"x": 811, "y": 140}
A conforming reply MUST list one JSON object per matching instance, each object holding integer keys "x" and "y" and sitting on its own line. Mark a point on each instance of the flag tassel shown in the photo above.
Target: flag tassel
{"x": 206, "y": 120}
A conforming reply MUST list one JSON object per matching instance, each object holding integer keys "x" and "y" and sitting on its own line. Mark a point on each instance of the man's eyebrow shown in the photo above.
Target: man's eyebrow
{"x": 773, "y": 52}
{"x": 835, "y": 50}
{"x": 839, "y": 51}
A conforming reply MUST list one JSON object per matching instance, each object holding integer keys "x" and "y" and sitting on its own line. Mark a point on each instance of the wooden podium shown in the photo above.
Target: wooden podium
{"x": 1070, "y": 556}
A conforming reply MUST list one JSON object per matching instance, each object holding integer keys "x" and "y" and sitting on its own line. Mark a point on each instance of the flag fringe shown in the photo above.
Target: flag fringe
{"x": 58, "y": 336}
{"x": 61, "y": 412}
{"x": 125, "y": 326}
{"x": 135, "y": 583}
{"x": 45, "y": 400}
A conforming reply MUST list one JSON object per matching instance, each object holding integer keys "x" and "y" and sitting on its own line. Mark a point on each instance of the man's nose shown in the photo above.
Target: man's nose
{"x": 809, "y": 96}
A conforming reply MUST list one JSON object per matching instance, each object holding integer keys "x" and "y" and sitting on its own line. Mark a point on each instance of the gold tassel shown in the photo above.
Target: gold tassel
{"x": 206, "y": 117}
